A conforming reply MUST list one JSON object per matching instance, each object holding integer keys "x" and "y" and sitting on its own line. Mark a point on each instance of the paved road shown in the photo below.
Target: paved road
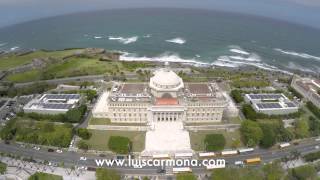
{"x": 72, "y": 79}
{"x": 72, "y": 158}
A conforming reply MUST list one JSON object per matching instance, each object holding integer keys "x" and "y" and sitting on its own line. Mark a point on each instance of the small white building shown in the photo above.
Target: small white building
{"x": 52, "y": 103}
{"x": 271, "y": 104}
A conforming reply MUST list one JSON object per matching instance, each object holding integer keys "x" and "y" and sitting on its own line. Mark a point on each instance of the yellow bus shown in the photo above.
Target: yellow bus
{"x": 255, "y": 160}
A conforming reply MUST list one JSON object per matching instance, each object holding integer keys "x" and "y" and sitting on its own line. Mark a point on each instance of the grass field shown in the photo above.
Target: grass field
{"x": 197, "y": 138}
{"x": 44, "y": 176}
{"x": 12, "y": 60}
{"x": 99, "y": 121}
{"x": 25, "y": 76}
{"x": 99, "y": 139}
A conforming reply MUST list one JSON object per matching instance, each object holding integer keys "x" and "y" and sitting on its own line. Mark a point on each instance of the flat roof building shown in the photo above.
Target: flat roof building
{"x": 308, "y": 88}
{"x": 271, "y": 104}
{"x": 52, "y": 103}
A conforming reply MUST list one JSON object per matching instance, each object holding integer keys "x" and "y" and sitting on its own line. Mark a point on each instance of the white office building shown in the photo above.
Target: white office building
{"x": 52, "y": 103}
{"x": 271, "y": 104}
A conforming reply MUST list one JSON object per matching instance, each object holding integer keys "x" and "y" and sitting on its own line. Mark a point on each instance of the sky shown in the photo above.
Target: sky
{"x": 297, "y": 11}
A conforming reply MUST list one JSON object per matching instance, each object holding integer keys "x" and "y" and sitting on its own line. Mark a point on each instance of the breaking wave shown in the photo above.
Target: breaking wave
{"x": 124, "y": 40}
{"x": 177, "y": 40}
{"x": 165, "y": 57}
{"x": 222, "y": 61}
{"x": 14, "y": 48}
{"x": 301, "y": 55}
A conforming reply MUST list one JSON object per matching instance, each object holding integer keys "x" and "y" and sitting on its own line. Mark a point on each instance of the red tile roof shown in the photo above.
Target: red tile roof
{"x": 166, "y": 101}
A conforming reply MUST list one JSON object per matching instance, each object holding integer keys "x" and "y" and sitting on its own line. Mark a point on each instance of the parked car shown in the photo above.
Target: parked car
{"x": 82, "y": 158}
{"x": 50, "y": 150}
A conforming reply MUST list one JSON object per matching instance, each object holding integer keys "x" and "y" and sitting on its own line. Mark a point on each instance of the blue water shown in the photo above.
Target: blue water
{"x": 210, "y": 37}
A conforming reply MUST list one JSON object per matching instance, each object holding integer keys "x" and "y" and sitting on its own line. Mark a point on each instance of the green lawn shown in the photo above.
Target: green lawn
{"x": 99, "y": 139}
{"x": 107, "y": 121}
{"x": 12, "y": 60}
{"x": 197, "y": 138}
{"x": 25, "y": 76}
{"x": 99, "y": 121}
{"x": 44, "y": 176}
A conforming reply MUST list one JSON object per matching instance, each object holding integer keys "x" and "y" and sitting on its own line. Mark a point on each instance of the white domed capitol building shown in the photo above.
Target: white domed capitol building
{"x": 165, "y": 104}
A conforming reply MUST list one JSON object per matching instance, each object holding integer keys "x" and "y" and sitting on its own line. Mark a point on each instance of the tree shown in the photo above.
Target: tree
{"x": 236, "y": 95}
{"x": 106, "y": 174}
{"x": 314, "y": 126}
{"x": 273, "y": 171}
{"x": 251, "y": 132}
{"x": 119, "y": 144}
{"x": 73, "y": 115}
{"x": 249, "y": 112}
{"x": 269, "y": 136}
{"x": 84, "y": 133}
{"x": 3, "y": 168}
{"x": 303, "y": 172}
{"x": 91, "y": 94}
{"x": 301, "y": 128}
{"x": 214, "y": 142}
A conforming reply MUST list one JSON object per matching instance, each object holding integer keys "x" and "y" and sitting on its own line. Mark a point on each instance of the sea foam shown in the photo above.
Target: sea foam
{"x": 124, "y": 40}
{"x": 177, "y": 40}
{"x": 239, "y": 51}
{"x": 14, "y": 48}
{"x": 302, "y": 55}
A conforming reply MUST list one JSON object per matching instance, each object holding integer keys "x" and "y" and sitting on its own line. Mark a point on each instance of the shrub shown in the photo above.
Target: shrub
{"x": 119, "y": 144}
{"x": 236, "y": 95}
{"x": 314, "y": 126}
{"x": 3, "y": 168}
{"x": 251, "y": 132}
{"x": 312, "y": 156}
{"x": 84, "y": 133}
{"x": 214, "y": 142}
{"x": 314, "y": 109}
{"x": 83, "y": 145}
{"x": 269, "y": 136}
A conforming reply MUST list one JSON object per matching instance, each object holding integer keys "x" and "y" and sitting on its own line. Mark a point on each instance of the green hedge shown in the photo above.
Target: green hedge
{"x": 312, "y": 156}
{"x": 236, "y": 95}
{"x": 74, "y": 115}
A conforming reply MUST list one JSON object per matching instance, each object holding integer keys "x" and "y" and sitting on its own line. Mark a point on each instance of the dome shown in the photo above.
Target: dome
{"x": 165, "y": 79}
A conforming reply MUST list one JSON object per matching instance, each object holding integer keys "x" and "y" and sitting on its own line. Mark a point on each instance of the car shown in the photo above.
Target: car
{"x": 7, "y": 142}
{"x": 316, "y": 147}
{"x": 318, "y": 139}
{"x": 83, "y": 168}
{"x": 53, "y": 164}
{"x": 36, "y": 148}
{"x": 50, "y": 150}
{"x": 161, "y": 171}
{"x": 137, "y": 166}
{"x": 59, "y": 151}
{"x": 102, "y": 155}
{"x": 239, "y": 163}
{"x": 82, "y": 158}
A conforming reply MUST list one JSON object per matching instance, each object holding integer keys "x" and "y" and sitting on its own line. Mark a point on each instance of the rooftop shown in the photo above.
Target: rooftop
{"x": 167, "y": 101}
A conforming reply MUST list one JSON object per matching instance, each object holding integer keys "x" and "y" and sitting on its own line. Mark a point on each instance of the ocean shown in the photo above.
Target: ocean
{"x": 200, "y": 37}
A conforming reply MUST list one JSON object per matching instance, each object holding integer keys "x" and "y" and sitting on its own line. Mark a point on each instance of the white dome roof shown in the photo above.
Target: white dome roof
{"x": 166, "y": 79}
